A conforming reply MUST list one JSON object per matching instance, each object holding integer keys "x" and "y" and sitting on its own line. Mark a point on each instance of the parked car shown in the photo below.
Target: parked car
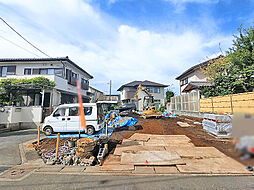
{"x": 126, "y": 107}
{"x": 65, "y": 118}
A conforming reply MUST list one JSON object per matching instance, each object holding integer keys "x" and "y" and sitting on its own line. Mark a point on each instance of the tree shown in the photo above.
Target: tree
{"x": 233, "y": 73}
{"x": 10, "y": 89}
{"x": 169, "y": 94}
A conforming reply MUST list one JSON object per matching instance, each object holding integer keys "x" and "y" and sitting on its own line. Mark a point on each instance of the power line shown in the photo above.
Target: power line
{"x": 18, "y": 46}
{"x": 24, "y": 37}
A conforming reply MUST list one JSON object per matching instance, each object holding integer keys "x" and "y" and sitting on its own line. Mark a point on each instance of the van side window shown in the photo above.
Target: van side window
{"x": 59, "y": 112}
{"x": 88, "y": 110}
{"x": 74, "y": 111}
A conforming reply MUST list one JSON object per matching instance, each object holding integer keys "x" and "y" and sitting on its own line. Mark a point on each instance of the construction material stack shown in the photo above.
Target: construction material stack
{"x": 219, "y": 125}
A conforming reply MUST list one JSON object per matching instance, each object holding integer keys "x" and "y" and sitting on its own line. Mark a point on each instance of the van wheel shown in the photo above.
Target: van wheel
{"x": 48, "y": 130}
{"x": 90, "y": 130}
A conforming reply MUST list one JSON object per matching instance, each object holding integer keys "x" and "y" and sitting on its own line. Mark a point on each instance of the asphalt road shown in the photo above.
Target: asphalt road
{"x": 41, "y": 181}
{"x": 9, "y": 145}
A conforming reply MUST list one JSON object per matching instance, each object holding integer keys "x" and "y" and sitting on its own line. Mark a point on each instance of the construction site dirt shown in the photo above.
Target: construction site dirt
{"x": 168, "y": 126}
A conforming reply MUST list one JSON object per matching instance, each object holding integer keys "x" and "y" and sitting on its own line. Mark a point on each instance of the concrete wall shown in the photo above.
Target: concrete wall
{"x": 21, "y": 117}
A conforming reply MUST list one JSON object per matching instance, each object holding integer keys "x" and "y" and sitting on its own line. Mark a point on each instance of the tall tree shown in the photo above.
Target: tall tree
{"x": 235, "y": 72}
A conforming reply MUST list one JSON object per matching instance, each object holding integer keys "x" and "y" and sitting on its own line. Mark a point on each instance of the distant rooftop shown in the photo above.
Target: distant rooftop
{"x": 45, "y": 59}
{"x": 143, "y": 83}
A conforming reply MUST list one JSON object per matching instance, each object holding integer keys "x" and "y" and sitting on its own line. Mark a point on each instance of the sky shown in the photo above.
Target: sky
{"x": 124, "y": 40}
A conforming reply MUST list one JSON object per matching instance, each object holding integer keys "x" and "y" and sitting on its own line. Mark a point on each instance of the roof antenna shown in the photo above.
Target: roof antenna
{"x": 220, "y": 48}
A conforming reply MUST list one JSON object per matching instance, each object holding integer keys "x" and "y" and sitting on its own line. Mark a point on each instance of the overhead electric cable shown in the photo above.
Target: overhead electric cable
{"x": 18, "y": 46}
{"x": 23, "y": 37}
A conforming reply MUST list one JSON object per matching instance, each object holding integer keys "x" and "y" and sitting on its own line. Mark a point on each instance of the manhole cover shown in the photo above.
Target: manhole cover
{"x": 17, "y": 172}
{"x": 2, "y": 169}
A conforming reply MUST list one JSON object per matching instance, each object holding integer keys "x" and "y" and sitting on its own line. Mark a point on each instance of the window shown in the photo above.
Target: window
{"x": 74, "y": 111}
{"x": 149, "y": 90}
{"x": 59, "y": 112}
{"x": 27, "y": 71}
{"x": 184, "y": 81}
{"x": 84, "y": 84}
{"x": 36, "y": 71}
{"x": 47, "y": 71}
{"x": 157, "y": 90}
{"x": 59, "y": 72}
{"x": 7, "y": 70}
{"x": 51, "y": 71}
{"x": 74, "y": 75}
{"x": 88, "y": 110}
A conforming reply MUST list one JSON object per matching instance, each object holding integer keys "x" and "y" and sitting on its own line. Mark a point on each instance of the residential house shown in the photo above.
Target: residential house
{"x": 112, "y": 97}
{"x": 63, "y": 71}
{"x": 129, "y": 90}
{"x": 94, "y": 94}
{"x": 193, "y": 78}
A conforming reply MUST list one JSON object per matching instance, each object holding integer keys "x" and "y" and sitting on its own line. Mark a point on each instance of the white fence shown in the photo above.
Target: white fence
{"x": 185, "y": 103}
{"x": 25, "y": 116}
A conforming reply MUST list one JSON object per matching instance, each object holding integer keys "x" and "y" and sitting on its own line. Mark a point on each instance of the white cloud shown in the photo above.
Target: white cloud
{"x": 103, "y": 47}
{"x": 180, "y": 4}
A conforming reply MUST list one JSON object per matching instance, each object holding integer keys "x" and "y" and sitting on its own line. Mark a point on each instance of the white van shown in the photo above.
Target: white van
{"x": 65, "y": 118}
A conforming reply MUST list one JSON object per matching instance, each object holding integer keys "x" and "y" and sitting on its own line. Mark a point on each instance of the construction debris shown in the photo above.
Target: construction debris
{"x": 82, "y": 152}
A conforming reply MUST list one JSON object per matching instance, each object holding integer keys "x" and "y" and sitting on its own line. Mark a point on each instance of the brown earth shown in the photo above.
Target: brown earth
{"x": 168, "y": 126}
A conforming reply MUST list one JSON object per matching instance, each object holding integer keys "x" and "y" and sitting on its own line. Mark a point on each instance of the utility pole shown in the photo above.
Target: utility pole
{"x": 110, "y": 87}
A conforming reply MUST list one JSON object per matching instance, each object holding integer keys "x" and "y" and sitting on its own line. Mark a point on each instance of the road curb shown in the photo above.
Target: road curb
{"x": 22, "y": 153}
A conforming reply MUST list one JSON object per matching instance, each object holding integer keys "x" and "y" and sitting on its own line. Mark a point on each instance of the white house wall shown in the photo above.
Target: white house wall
{"x": 197, "y": 75}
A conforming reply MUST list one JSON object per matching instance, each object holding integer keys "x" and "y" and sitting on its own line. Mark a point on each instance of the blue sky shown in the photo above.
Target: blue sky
{"x": 125, "y": 40}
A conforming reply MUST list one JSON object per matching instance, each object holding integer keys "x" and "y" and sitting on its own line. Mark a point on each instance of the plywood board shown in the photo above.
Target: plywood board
{"x": 117, "y": 167}
{"x": 170, "y": 137}
{"x": 120, "y": 149}
{"x": 128, "y": 142}
{"x": 183, "y": 124}
{"x": 223, "y": 165}
{"x": 199, "y": 152}
{"x": 140, "y": 137}
{"x": 151, "y": 158}
{"x": 112, "y": 159}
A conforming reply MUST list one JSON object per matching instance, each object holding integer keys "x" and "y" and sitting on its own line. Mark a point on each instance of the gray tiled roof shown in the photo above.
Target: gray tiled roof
{"x": 143, "y": 83}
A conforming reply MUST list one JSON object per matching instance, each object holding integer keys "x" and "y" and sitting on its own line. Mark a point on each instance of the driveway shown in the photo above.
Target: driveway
{"x": 9, "y": 145}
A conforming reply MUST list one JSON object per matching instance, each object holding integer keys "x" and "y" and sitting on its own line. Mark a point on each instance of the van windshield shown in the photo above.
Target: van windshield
{"x": 59, "y": 112}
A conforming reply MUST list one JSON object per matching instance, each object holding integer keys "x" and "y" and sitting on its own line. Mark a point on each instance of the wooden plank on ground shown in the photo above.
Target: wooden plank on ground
{"x": 225, "y": 165}
{"x": 139, "y": 137}
{"x": 151, "y": 158}
{"x": 183, "y": 124}
{"x": 117, "y": 167}
{"x": 112, "y": 159}
{"x": 199, "y": 152}
{"x": 120, "y": 149}
{"x": 170, "y": 137}
{"x": 128, "y": 142}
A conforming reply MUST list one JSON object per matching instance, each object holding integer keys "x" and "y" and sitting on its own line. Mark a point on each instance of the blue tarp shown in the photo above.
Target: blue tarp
{"x": 166, "y": 114}
{"x": 130, "y": 122}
